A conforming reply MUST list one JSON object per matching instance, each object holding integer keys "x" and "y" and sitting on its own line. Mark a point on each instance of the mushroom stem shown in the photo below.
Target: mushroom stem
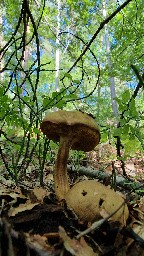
{"x": 60, "y": 174}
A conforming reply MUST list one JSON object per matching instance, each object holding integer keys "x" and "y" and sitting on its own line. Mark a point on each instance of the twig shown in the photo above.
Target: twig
{"x": 98, "y": 223}
{"x": 102, "y": 24}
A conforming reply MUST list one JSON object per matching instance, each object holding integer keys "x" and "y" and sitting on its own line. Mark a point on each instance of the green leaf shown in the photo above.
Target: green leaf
{"x": 132, "y": 137}
{"x": 132, "y": 129}
{"x": 117, "y": 131}
{"x": 46, "y": 102}
{"x": 36, "y": 130}
{"x": 76, "y": 81}
{"x": 123, "y": 158}
{"x": 71, "y": 96}
{"x": 1, "y": 91}
{"x": 126, "y": 129}
{"x": 132, "y": 108}
{"x": 121, "y": 107}
{"x": 61, "y": 104}
{"x": 120, "y": 103}
{"x": 55, "y": 94}
{"x": 68, "y": 76}
{"x": 18, "y": 90}
{"x": 125, "y": 96}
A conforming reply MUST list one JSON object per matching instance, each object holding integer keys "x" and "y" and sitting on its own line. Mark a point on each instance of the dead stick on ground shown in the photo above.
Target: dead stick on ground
{"x": 98, "y": 223}
{"x": 101, "y": 175}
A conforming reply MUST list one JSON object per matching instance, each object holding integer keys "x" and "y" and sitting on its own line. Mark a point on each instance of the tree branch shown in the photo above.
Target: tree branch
{"x": 102, "y": 24}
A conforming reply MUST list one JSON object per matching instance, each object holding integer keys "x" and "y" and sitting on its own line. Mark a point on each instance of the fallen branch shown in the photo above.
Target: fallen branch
{"x": 101, "y": 175}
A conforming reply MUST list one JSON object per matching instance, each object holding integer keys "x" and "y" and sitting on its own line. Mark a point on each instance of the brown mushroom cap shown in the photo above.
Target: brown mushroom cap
{"x": 82, "y": 128}
{"x": 91, "y": 201}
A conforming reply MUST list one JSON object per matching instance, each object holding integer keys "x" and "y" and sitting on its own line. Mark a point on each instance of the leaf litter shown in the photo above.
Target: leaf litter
{"x": 31, "y": 215}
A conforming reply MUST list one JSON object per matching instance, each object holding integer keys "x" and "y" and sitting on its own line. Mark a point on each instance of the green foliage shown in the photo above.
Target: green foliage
{"x": 131, "y": 125}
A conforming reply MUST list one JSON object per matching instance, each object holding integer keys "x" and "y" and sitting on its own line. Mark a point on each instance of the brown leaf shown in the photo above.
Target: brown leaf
{"x": 40, "y": 193}
{"x": 139, "y": 230}
{"x": 7, "y": 193}
{"x": 38, "y": 241}
{"x": 21, "y": 208}
{"x": 75, "y": 247}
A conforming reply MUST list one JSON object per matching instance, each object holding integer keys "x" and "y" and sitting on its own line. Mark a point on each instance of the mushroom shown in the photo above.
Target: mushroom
{"x": 91, "y": 201}
{"x": 73, "y": 130}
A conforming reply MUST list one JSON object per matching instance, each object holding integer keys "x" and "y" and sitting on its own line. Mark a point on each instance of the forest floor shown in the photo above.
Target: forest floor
{"x": 34, "y": 223}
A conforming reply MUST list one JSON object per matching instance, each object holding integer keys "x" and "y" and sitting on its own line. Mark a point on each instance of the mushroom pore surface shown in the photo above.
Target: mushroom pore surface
{"x": 91, "y": 201}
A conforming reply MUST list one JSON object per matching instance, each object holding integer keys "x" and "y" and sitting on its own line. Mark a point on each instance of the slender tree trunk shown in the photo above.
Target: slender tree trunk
{"x": 25, "y": 58}
{"x": 57, "y": 57}
{"x": 1, "y": 42}
{"x": 112, "y": 81}
{"x": 99, "y": 85}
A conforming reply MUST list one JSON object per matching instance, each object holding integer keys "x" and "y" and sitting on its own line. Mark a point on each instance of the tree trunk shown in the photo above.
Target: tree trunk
{"x": 57, "y": 57}
{"x": 99, "y": 85}
{"x": 1, "y": 42}
{"x": 112, "y": 81}
{"x": 25, "y": 57}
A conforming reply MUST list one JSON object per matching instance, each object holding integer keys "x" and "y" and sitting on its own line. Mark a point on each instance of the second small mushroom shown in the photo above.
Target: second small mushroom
{"x": 73, "y": 130}
{"x": 90, "y": 200}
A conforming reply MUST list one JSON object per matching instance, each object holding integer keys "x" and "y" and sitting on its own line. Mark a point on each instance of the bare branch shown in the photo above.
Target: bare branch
{"x": 103, "y": 23}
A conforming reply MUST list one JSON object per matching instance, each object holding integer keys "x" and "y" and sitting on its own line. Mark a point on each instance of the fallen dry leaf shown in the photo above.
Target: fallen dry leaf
{"x": 141, "y": 204}
{"x": 8, "y": 193}
{"x": 40, "y": 193}
{"x": 139, "y": 209}
{"x": 139, "y": 230}
{"x": 21, "y": 208}
{"x": 75, "y": 247}
{"x": 38, "y": 241}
